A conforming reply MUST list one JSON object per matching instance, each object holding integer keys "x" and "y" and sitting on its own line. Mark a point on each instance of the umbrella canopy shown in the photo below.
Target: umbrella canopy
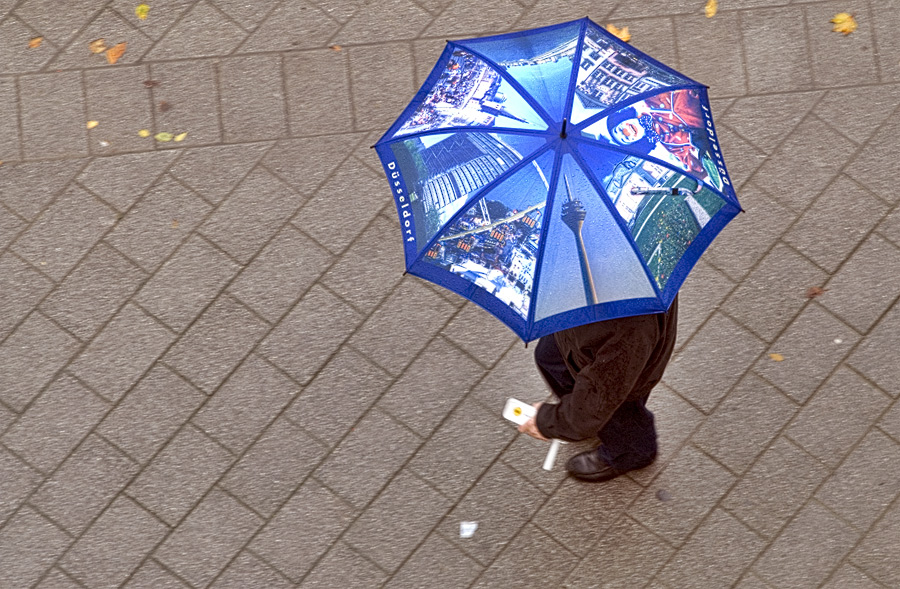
{"x": 557, "y": 177}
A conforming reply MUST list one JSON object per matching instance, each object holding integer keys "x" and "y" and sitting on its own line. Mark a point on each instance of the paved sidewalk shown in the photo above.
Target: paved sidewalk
{"x": 213, "y": 373}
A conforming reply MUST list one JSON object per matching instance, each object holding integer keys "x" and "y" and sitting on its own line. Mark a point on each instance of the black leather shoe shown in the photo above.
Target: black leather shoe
{"x": 589, "y": 466}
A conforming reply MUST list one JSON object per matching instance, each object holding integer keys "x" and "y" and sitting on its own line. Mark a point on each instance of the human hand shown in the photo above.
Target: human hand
{"x": 530, "y": 427}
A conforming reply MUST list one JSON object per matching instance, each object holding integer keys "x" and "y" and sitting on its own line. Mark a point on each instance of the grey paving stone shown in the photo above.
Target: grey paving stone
{"x": 253, "y": 213}
{"x": 152, "y": 576}
{"x": 715, "y": 555}
{"x": 17, "y": 481}
{"x": 245, "y": 404}
{"x": 836, "y": 223}
{"x": 783, "y": 49}
{"x": 885, "y": 17}
{"x": 162, "y": 15}
{"x": 811, "y": 347}
{"x": 338, "y": 396}
{"x": 203, "y": 31}
{"x": 832, "y": 54}
{"x": 526, "y": 456}
{"x": 253, "y": 101}
{"x": 859, "y": 124}
{"x": 695, "y": 484}
{"x": 120, "y": 114}
{"x": 479, "y": 334}
{"x": 110, "y": 26}
{"x": 64, "y": 232}
{"x": 863, "y": 486}
{"x": 247, "y": 14}
{"x": 216, "y": 344}
{"x": 469, "y": 18}
{"x": 383, "y": 103}
{"x": 343, "y": 567}
{"x": 302, "y": 530}
{"x": 436, "y": 380}
{"x": 318, "y": 86}
{"x": 10, "y": 226}
{"x": 114, "y": 545}
{"x": 578, "y": 515}
{"x": 701, "y": 295}
{"x": 514, "y": 375}
{"x": 628, "y": 555}
{"x": 461, "y": 449}
{"x": 389, "y": 530}
{"x": 186, "y": 283}
{"x": 57, "y": 23}
{"x": 369, "y": 269}
{"x": 850, "y": 577}
{"x": 837, "y": 416}
{"x": 95, "y": 290}
{"x": 359, "y": 481}
{"x": 305, "y": 339}
{"x": 726, "y": 74}
{"x": 125, "y": 349}
{"x": 305, "y": 164}
{"x": 777, "y": 485}
{"x": 295, "y": 259}
{"x": 436, "y": 558}
{"x": 425, "y": 55}
{"x": 214, "y": 171}
{"x": 656, "y": 36}
{"x": 708, "y": 366}
{"x": 742, "y": 157}
{"x": 412, "y": 314}
{"x": 30, "y": 357}
{"x": 190, "y": 88}
{"x": 394, "y": 20}
{"x": 22, "y": 287}
{"x": 341, "y": 11}
{"x": 808, "y": 549}
{"x": 248, "y": 571}
{"x": 877, "y": 552}
{"x": 501, "y": 502}
{"x": 180, "y": 475}
{"x": 55, "y": 424}
{"x": 28, "y": 546}
{"x": 52, "y": 115}
{"x": 890, "y": 421}
{"x": 889, "y": 227}
{"x": 343, "y": 207}
{"x": 121, "y": 180}
{"x": 213, "y": 533}
{"x": 150, "y": 413}
{"x": 14, "y": 55}
{"x": 57, "y": 579}
{"x": 749, "y": 237}
{"x": 84, "y": 485}
{"x": 9, "y": 116}
{"x": 871, "y": 273}
{"x": 766, "y": 121}
{"x": 868, "y": 165}
{"x": 272, "y": 468}
{"x": 158, "y": 224}
{"x": 291, "y": 26}
{"x": 771, "y": 296}
{"x": 743, "y": 425}
{"x": 532, "y": 558}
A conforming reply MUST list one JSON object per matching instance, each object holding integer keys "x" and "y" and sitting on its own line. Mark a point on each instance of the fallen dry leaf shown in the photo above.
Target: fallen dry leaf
{"x": 141, "y": 11}
{"x": 151, "y": 83}
{"x": 815, "y": 291}
{"x": 712, "y": 6}
{"x": 163, "y": 137}
{"x": 843, "y": 23}
{"x": 622, "y": 33}
{"x": 180, "y": 137}
{"x": 174, "y": 223}
{"x": 115, "y": 52}
{"x": 164, "y": 106}
{"x": 35, "y": 43}
{"x": 776, "y": 357}
{"x": 92, "y": 124}
{"x": 144, "y": 133}
{"x": 97, "y": 45}
{"x": 335, "y": 47}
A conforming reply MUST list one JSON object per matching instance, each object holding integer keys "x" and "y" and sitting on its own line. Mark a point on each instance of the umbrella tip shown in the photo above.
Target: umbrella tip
{"x": 562, "y": 133}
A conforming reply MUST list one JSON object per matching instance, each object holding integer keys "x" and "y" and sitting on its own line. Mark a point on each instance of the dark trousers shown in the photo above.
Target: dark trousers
{"x": 628, "y": 439}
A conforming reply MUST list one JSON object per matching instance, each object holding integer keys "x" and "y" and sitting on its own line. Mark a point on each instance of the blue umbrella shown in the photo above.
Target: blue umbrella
{"x": 556, "y": 177}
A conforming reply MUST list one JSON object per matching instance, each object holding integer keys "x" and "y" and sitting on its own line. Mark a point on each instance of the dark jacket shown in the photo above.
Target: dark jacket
{"x": 612, "y": 362}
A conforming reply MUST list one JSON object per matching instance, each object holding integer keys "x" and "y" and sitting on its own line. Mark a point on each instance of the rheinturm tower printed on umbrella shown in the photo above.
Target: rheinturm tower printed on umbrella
{"x": 557, "y": 176}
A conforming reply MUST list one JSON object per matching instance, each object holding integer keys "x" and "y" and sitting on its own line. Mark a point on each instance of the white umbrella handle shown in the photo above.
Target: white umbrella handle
{"x": 551, "y": 454}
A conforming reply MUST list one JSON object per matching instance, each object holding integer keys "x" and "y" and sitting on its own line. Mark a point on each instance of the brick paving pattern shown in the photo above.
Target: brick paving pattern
{"x": 214, "y": 374}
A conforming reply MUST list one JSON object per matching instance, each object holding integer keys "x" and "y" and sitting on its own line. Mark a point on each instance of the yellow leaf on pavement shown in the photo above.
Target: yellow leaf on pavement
{"x": 115, "y": 52}
{"x": 97, "y": 45}
{"x": 35, "y": 43}
{"x": 141, "y": 10}
{"x": 180, "y": 137}
{"x": 92, "y": 124}
{"x": 712, "y": 6}
{"x": 843, "y": 23}
{"x": 144, "y": 133}
{"x": 776, "y": 357}
{"x": 622, "y": 33}
{"x": 163, "y": 137}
